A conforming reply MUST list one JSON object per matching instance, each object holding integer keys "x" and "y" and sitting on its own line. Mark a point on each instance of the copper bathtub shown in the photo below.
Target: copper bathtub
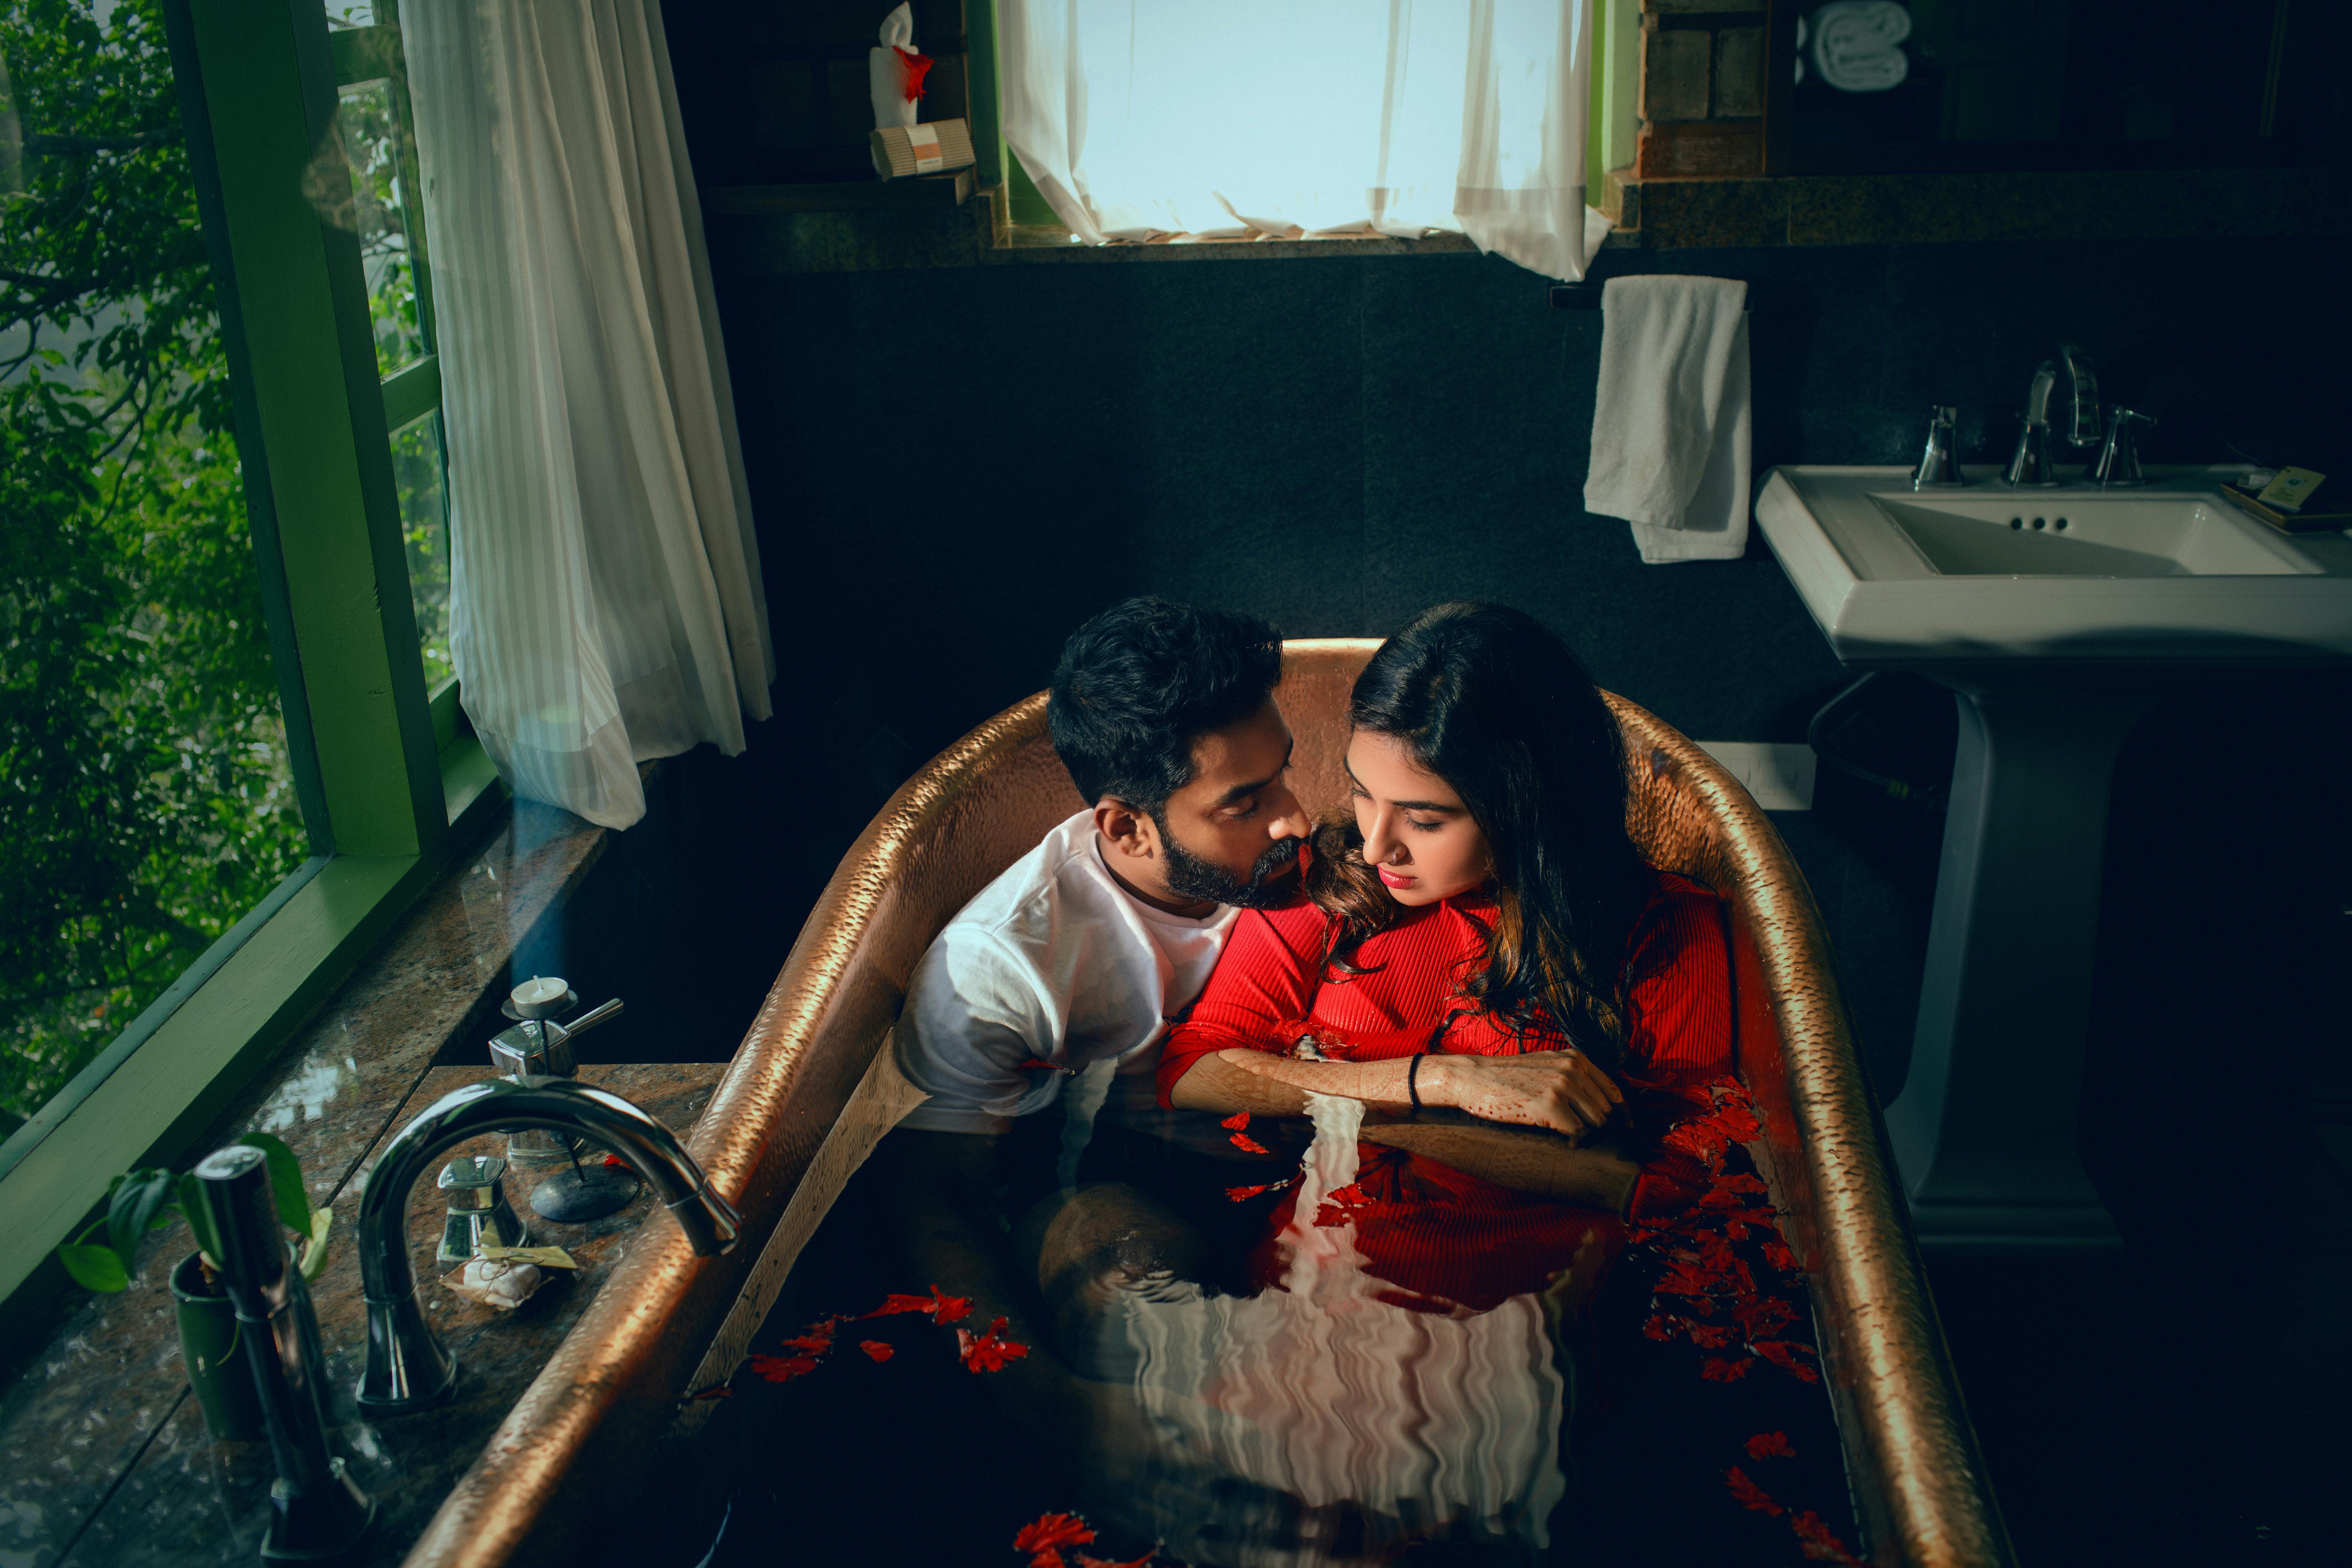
{"x": 611, "y": 1391}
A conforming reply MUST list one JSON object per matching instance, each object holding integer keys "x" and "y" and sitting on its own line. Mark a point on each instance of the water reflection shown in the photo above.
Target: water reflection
{"x": 1355, "y": 1423}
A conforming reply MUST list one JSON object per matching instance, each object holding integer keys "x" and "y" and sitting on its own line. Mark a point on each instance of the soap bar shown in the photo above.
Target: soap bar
{"x": 2291, "y": 491}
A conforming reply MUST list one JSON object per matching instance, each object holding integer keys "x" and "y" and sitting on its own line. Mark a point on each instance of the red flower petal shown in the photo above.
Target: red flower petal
{"x": 947, "y": 1309}
{"x": 1820, "y": 1544}
{"x": 1087, "y": 1561}
{"x": 1247, "y": 1144}
{"x": 1777, "y": 1255}
{"x": 1043, "y": 1536}
{"x": 782, "y": 1369}
{"x": 877, "y": 1349}
{"x": 1784, "y": 1353}
{"x": 1723, "y": 1369}
{"x": 1748, "y": 1494}
{"x": 990, "y": 1351}
{"x": 616, "y": 1160}
{"x": 1233, "y": 1123}
{"x": 1764, "y": 1445}
{"x": 1243, "y": 1194}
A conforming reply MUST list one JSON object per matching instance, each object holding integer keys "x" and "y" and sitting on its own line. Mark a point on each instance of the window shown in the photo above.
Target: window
{"x": 146, "y": 798}
{"x": 378, "y": 134}
{"x": 222, "y": 771}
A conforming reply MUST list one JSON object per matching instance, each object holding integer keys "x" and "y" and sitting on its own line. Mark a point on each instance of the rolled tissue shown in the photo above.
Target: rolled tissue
{"x": 492, "y": 1282}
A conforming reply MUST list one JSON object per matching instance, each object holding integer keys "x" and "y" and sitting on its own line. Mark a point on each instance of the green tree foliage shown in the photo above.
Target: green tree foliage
{"x": 145, "y": 803}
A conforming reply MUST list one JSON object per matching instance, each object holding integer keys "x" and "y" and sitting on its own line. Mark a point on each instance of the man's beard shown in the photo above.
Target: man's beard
{"x": 1190, "y": 877}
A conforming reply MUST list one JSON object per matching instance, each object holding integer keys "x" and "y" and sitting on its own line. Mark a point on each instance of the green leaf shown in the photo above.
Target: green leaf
{"x": 285, "y": 1180}
{"x": 132, "y": 1212}
{"x": 314, "y": 1246}
{"x": 95, "y": 1267}
{"x": 199, "y": 1218}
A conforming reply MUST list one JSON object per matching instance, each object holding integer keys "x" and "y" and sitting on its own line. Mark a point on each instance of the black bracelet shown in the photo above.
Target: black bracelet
{"x": 1412, "y": 1075}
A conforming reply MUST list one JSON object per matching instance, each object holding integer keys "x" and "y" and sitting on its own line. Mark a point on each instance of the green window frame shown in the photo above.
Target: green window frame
{"x": 389, "y": 782}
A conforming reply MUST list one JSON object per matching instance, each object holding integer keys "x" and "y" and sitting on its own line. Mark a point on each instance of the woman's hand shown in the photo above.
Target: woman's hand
{"x": 1558, "y": 1089}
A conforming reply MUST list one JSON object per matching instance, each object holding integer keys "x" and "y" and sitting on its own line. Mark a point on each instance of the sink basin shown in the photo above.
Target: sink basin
{"x": 2170, "y": 572}
{"x": 2056, "y": 617}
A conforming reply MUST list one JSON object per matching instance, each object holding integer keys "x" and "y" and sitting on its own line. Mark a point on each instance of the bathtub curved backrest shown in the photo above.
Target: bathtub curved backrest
{"x": 611, "y": 1389}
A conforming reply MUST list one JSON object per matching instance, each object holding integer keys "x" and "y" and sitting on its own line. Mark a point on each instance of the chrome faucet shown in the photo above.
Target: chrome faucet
{"x": 2029, "y": 467}
{"x": 408, "y": 1365}
{"x": 2117, "y": 467}
{"x": 1939, "y": 463}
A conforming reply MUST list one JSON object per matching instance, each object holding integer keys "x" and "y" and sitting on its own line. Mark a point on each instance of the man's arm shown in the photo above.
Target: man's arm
{"x": 937, "y": 1184}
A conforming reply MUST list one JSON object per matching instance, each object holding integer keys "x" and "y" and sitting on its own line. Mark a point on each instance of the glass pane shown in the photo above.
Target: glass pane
{"x": 370, "y": 136}
{"x": 416, "y": 469}
{"x": 145, "y": 800}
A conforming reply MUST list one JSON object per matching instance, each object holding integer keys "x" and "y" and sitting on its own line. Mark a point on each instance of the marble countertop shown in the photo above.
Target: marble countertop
{"x": 104, "y": 1458}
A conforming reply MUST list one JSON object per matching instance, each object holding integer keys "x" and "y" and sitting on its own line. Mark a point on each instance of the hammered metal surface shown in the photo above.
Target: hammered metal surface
{"x": 611, "y": 1389}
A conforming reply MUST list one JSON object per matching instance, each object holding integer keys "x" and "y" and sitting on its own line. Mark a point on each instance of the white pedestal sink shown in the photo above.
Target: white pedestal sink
{"x": 2057, "y": 618}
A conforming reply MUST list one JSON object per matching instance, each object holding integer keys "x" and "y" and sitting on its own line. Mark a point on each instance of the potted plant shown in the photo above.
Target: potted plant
{"x": 103, "y": 1257}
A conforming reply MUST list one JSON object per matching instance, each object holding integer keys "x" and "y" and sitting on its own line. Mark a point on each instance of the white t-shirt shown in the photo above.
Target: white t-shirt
{"x": 1053, "y": 962}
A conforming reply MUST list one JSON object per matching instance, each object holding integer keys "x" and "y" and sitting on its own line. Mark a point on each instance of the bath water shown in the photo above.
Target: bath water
{"x": 1328, "y": 1419}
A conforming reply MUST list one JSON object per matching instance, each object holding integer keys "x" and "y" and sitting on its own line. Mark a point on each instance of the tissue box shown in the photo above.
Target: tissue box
{"x": 932, "y": 148}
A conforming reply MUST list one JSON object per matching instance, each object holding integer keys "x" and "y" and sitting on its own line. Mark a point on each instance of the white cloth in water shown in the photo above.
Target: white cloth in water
{"x": 1670, "y": 419}
{"x": 1418, "y": 1424}
{"x": 1053, "y": 961}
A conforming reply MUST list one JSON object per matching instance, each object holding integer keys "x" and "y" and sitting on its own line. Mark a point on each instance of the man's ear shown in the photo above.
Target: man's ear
{"x": 1125, "y": 830}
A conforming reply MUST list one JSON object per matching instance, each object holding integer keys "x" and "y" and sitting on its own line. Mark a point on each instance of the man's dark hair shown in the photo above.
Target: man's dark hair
{"x": 1141, "y": 683}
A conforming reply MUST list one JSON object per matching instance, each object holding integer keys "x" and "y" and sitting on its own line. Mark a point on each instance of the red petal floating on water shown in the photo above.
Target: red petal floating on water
{"x": 1043, "y": 1537}
{"x": 817, "y": 1339}
{"x": 1821, "y": 1545}
{"x": 1233, "y": 1123}
{"x": 616, "y": 1160}
{"x": 990, "y": 1351}
{"x": 1764, "y": 1445}
{"x": 1748, "y": 1494}
{"x": 1784, "y": 1353}
{"x": 878, "y": 1350}
{"x": 1709, "y": 1336}
{"x": 894, "y": 1304}
{"x": 1087, "y": 1561}
{"x": 1723, "y": 1369}
{"x": 1243, "y": 1194}
{"x": 947, "y": 1309}
{"x": 716, "y": 1391}
{"x": 1247, "y": 1144}
{"x": 782, "y": 1369}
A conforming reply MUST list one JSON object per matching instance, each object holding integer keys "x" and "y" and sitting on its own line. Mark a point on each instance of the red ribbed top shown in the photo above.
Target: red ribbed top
{"x": 1431, "y": 1228}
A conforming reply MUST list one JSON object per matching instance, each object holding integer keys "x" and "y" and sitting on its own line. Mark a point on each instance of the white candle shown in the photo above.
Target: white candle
{"x": 537, "y": 993}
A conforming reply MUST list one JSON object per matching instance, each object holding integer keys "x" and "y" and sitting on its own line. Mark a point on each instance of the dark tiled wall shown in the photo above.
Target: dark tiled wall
{"x": 953, "y": 466}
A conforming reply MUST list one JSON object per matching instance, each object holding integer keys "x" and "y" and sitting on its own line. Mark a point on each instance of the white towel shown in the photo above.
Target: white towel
{"x": 1669, "y": 424}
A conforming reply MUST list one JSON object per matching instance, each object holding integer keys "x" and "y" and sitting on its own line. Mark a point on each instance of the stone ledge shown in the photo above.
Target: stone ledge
{"x": 1929, "y": 209}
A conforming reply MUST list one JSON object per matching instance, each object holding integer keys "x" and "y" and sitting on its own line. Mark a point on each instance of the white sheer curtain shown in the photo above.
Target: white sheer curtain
{"x": 1225, "y": 117}
{"x": 605, "y": 597}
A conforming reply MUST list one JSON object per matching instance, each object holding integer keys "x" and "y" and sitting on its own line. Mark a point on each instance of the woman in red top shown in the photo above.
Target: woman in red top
{"x": 1484, "y": 936}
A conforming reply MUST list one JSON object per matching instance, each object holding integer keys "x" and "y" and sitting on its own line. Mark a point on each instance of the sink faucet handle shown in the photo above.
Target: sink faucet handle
{"x": 2082, "y": 396}
{"x": 2117, "y": 467}
{"x": 1939, "y": 463}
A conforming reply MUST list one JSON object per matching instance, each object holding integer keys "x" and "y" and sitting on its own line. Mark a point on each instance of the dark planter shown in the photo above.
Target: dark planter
{"x": 215, "y": 1359}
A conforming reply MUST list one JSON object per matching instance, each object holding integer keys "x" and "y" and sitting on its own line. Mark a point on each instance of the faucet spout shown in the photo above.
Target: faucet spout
{"x": 408, "y": 1365}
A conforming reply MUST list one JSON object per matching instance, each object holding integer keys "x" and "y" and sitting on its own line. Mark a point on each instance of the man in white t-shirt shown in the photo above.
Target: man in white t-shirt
{"x": 1041, "y": 1169}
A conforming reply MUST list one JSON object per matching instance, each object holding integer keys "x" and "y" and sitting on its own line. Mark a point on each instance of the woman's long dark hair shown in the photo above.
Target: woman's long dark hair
{"x": 1500, "y": 708}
